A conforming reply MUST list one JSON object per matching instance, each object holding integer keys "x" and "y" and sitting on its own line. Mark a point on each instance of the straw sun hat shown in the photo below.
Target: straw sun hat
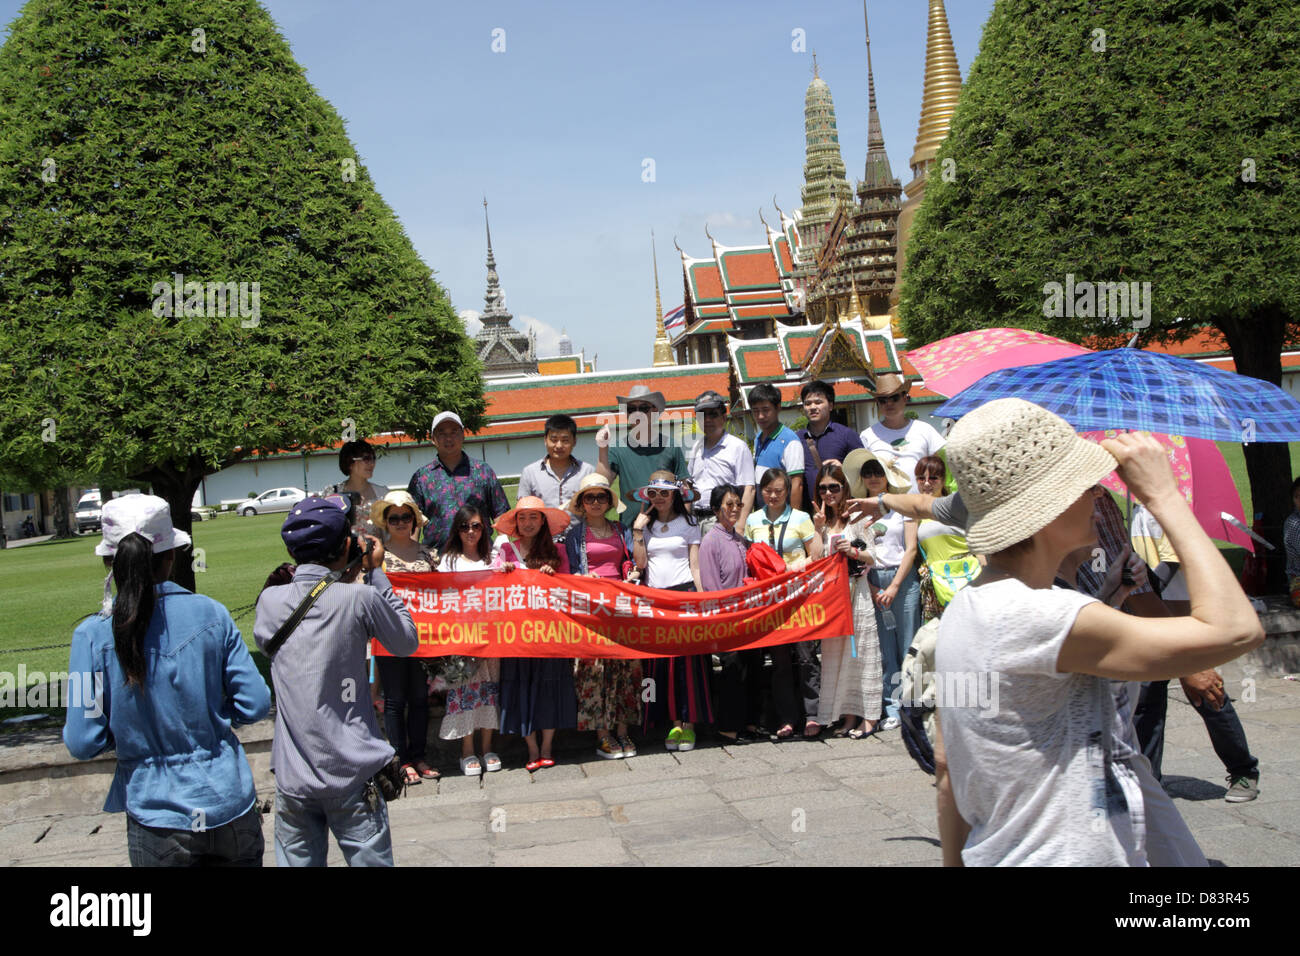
{"x": 399, "y": 498}
{"x": 600, "y": 483}
{"x": 896, "y": 481}
{"x": 1019, "y": 468}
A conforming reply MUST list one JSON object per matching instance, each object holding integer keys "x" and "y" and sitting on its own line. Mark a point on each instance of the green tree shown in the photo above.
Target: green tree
{"x": 194, "y": 263}
{"x": 1136, "y": 141}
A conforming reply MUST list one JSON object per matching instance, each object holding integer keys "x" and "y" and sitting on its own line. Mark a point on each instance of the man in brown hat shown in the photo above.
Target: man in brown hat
{"x": 636, "y": 451}
{"x": 895, "y": 437}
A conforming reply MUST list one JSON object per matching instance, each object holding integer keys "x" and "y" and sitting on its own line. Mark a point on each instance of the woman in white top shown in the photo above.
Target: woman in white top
{"x": 472, "y": 703}
{"x": 1039, "y": 771}
{"x": 850, "y": 686}
{"x": 666, "y": 548}
{"x": 895, "y": 584}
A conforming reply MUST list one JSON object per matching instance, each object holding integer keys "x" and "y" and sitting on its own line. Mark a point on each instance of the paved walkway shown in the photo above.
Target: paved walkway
{"x": 833, "y": 802}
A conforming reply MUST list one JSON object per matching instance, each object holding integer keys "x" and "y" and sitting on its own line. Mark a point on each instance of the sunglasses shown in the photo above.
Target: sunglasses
{"x": 400, "y": 518}
{"x": 599, "y": 499}
{"x": 644, "y": 409}
{"x": 364, "y": 458}
{"x": 883, "y": 399}
{"x": 833, "y": 488}
{"x": 657, "y": 493}
{"x": 472, "y": 526}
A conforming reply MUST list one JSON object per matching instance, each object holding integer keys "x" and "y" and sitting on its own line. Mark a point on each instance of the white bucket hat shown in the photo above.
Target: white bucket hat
{"x": 1019, "y": 468}
{"x": 146, "y": 515}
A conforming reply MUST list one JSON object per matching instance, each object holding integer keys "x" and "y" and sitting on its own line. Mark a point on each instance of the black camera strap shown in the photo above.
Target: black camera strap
{"x": 287, "y": 628}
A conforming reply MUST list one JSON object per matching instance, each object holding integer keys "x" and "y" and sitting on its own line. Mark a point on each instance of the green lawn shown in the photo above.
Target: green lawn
{"x": 46, "y": 589}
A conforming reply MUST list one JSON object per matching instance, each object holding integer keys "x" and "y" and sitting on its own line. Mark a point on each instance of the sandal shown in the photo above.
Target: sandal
{"x": 546, "y": 762}
{"x": 815, "y": 734}
{"x": 425, "y": 771}
{"x": 785, "y": 733}
{"x": 862, "y": 731}
{"x": 412, "y": 775}
{"x": 491, "y": 762}
{"x": 533, "y": 765}
{"x": 470, "y": 766}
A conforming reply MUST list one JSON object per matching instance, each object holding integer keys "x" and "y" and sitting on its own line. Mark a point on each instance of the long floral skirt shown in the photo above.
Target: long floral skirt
{"x": 609, "y": 692}
{"x": 473, "y": 704}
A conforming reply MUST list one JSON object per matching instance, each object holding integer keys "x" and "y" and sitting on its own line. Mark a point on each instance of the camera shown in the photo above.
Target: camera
{"x": 358, "y": 546}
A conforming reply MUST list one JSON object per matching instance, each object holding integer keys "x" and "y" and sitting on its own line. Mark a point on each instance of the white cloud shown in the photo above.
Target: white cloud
{"x": 471, "y": 320}
{"x": 727, "y": 220}
{"x": 548, "y": 336}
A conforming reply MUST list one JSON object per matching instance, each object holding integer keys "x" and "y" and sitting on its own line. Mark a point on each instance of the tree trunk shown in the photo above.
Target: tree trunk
{"x": 177, "y": 488}
{"x": 1255, "y": 340}
{"x": 62, "y": 526}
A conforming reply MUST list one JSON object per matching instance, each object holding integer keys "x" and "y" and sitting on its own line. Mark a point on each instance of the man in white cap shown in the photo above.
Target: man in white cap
{"x": 719, "y": 458}
{"x": 453, "y": 480}
{"x": 638, "y": 453}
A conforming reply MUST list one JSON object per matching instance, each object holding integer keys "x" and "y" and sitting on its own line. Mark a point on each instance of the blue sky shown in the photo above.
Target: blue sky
{"x": 554, "y": 130}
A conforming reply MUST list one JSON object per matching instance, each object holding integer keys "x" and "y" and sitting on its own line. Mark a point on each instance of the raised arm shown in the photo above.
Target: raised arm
{"x": 1222, "y": 624}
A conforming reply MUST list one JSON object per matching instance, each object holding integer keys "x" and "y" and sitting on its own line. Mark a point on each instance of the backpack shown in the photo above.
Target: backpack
{"x": 916, "y": 693}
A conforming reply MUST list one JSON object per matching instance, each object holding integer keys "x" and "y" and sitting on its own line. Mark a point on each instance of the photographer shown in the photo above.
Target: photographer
{"x": 327, "y": 744}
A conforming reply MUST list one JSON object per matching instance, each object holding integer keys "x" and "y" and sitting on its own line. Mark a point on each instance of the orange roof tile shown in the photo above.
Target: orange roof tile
{"x": 707, "y": 281}
{"x": 598, "y": 393}
{"x": 759, "y": 362}
{"x": 560, "y": 365}
{"x": 747, "y": 269}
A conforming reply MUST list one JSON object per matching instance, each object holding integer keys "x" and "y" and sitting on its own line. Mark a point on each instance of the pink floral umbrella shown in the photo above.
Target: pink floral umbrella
{"x": 950, "y": 365}
{"x": 1203, "y": 479}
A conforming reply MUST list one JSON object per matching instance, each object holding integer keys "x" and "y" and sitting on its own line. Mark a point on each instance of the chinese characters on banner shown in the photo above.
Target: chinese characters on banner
{"x": 526, "y": 613}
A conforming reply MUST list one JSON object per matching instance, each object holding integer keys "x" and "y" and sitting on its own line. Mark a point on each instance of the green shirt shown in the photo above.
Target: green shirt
{"x": 633, "y": 466}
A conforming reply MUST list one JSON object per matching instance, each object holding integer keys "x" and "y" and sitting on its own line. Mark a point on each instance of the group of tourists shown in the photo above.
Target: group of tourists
{"x": 1006, "y": 565}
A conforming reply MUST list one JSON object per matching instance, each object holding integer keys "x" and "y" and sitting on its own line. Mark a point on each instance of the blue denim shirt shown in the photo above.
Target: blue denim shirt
{"x": 179, "y": 763}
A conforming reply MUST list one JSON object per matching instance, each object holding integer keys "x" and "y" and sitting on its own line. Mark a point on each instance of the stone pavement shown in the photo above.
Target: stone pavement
{"x": 826, "y": 803}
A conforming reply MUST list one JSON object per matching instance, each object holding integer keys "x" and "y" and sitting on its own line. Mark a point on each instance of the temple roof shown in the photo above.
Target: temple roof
{"x": 845, "y": 354}
{"x": 739, "y": 284}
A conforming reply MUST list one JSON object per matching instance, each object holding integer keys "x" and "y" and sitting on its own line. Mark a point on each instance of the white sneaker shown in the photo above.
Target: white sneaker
{"x": 890, "y": 723}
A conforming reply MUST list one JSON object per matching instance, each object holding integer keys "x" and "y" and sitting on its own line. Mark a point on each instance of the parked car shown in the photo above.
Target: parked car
{"x": 277, "y": 499}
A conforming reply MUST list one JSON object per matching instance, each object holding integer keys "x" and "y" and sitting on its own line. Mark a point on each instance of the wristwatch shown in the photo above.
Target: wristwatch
{"x": 880, "y": 499}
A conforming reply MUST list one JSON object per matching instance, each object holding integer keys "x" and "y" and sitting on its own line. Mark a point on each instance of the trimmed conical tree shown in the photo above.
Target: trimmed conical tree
{"x": 194, "y": 263}
{"x": 1133, "y": 142}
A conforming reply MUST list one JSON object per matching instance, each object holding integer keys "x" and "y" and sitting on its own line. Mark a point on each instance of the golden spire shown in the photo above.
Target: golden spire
{"x": 942, "y": 88}
{"x": 855, "y": 304}
{"x": 663, "y": 354}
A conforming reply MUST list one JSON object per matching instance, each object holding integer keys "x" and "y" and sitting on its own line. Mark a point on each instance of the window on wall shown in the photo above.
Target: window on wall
{"x": 20, "y": 502}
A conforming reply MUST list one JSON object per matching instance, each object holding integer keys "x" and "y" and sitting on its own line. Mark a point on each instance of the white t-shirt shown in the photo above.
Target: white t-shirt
{"x": 668, "y": 552}
{"x": 890, "y": 547}
{"x": 1028, "y": 757}
{"x": 729, "y": 462}
{"x": 904, "y": 446}
{"x": 458, "y": 562}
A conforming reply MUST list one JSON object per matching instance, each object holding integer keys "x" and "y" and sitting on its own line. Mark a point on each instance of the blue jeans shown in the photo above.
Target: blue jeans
{"x": 237, "y": 843}
{"x": 894, "y": 641}
{"x": 302, "y": 827}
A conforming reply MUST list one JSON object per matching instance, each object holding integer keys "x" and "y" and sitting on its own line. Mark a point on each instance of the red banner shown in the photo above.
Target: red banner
{"x": 524, "y": 613}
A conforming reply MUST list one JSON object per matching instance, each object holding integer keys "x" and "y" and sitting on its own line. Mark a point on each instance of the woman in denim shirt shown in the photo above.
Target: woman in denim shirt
{"x": 164, "y": 676}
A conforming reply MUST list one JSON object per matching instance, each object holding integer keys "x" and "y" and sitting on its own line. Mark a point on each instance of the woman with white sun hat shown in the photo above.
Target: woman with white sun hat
{"x": 1039, "y": 769}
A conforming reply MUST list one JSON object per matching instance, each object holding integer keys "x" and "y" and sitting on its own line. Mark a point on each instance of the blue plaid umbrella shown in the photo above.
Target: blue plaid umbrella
{"x": 1149, "y": 391}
